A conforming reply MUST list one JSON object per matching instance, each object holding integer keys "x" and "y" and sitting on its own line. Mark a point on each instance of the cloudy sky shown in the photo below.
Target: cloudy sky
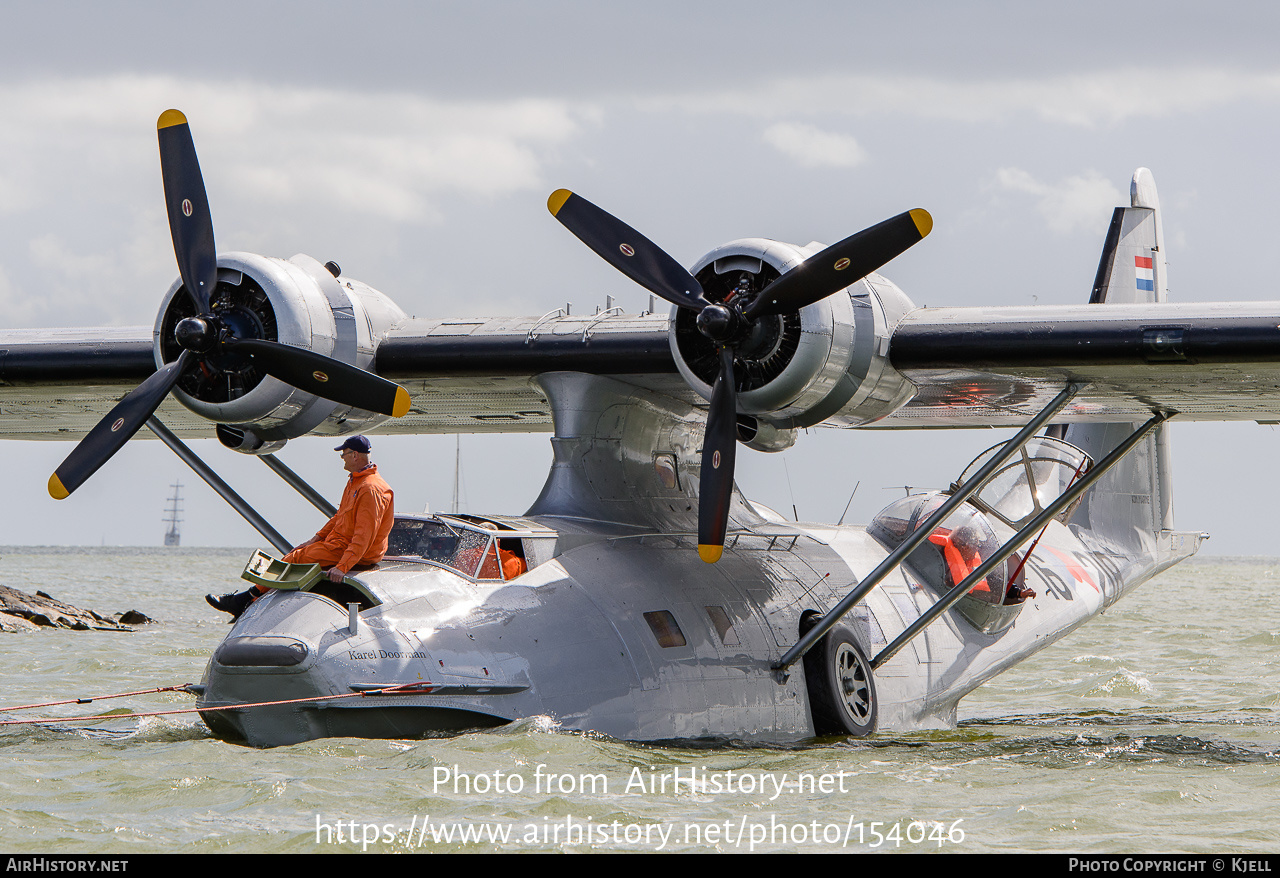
{"x": 415, "y": 143}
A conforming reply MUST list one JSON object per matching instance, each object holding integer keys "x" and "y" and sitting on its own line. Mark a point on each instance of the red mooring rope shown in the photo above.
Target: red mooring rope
{"x": 94, "y": 698}
{"x": 402, "y": 689}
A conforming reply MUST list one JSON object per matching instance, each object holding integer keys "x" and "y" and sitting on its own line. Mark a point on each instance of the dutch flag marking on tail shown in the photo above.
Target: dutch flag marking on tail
{"x": 1146, "y": 275}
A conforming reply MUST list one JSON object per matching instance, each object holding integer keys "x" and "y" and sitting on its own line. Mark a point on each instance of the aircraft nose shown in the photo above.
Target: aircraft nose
{"x": 271, "y": 659}
{"x": 277, "y": 693}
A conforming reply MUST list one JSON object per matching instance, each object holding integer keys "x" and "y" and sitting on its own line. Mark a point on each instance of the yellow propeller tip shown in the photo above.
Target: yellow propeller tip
{"x": 56, "y": 491}
{"x": 169, "y": 118}
{"x": 711, "y": 554}
{"x": 401, "y": 406}
{"x": 924, "y": 222}
{"x": 557, "y": 200}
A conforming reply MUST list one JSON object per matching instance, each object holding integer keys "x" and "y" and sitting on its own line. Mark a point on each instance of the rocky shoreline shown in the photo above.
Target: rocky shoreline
{"x": 20, "y": 611}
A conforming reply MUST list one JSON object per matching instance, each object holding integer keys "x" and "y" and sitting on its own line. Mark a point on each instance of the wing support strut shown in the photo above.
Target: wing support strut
{"x": 890, "y": 563}
{"x": 234, "y": 500}
{"x": 1066, "y": 499}
{"x": 299, "y": 484}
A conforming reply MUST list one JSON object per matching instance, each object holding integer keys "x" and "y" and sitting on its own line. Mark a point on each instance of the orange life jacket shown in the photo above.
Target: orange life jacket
{"x": 959, "y": 565}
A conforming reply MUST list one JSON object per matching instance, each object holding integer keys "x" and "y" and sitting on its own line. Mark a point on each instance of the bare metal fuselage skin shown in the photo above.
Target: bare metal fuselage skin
{"x": 570, "y": 639}
{"x": 619, "y": 627}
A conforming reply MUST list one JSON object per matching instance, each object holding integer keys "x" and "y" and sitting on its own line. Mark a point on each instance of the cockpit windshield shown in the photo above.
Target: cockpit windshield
{"x": 1041, "y": 472}
{"x": 470, "y": 552}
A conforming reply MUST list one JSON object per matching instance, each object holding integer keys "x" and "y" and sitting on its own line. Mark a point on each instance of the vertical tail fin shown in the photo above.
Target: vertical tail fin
{"x": 1133, "y": 269}
{"x": 1133, "y": 503}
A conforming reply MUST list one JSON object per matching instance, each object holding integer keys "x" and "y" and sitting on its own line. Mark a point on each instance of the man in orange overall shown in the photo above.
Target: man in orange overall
{"x": 512, "y": 565}
{"x": 356, "y": 535}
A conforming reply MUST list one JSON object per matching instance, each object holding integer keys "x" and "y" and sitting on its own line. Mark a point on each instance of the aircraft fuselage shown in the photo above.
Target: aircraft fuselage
{"x": 631, "y": 635}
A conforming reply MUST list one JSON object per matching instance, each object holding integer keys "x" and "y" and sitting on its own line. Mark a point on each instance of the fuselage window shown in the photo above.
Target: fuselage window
{"x": 723, "y": 625}
{"x": 665, "y": 628}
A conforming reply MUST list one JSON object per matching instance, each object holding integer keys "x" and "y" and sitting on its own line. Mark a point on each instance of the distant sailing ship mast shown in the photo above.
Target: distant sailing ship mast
{"x": 457, "y": 476}
{"x": 171, "y": 536}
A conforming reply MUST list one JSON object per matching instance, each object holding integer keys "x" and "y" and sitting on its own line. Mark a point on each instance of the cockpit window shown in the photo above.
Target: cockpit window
{"x": 474, "y": 553}
{"x": 437, "y": 541}
{"x": 433, "y": 540}
{"x": 1040, "y": 473}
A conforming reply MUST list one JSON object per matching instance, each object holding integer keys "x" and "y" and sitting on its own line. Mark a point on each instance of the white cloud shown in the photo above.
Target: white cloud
{"x": 375, "y": 153}
{"x": 1071, "y": 204}
{"x": 80, "y": 157}
{"x": 393, "y": 155}
{"x": 813, "y": 147}
{"x": 1085, "y": 99}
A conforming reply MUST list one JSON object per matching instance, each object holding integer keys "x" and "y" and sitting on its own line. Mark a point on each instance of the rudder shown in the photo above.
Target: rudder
{"x": 1133, "y": 503}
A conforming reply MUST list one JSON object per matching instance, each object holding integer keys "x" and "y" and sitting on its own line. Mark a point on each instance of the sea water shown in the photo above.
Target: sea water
{"x": 1152, "y": 729}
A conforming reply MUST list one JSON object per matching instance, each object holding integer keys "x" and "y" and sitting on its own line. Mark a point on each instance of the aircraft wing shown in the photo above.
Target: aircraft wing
{"x": 57, "y": 383}
{"x": 470, "y": 376}
{"x": 970, "y": 367}
{"x": 999, "y": 366}
{"x": 462, "y": 375}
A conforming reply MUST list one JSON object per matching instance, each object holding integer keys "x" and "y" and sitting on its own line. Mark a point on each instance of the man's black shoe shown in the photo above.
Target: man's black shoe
{"x": 234, "y": 603}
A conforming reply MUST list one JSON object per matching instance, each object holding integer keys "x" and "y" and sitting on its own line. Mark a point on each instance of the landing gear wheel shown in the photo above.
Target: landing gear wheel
{"x": 842, "y": 693}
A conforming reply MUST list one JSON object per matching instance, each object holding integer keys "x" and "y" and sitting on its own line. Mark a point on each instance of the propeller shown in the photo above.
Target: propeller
{"x": 729, "y": 324}
{"x": 205, "y": 334}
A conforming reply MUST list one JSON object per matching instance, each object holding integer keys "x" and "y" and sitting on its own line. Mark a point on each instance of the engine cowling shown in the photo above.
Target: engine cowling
{"x": 296, "y": 302}
{"x": 826, "y": 362}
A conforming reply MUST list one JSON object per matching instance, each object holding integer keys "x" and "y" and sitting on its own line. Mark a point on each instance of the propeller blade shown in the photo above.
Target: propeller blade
{"x": 324, "y": 376}
{"x": 110, "y": 434}
{"x": 719, "y": 448}
{"x": 627, "y": 250}
{"x": 190, "y": 224}
{"x": 841, "y": 264}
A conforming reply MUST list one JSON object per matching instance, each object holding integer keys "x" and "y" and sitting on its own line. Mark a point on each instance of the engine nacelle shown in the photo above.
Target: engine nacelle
{"x": 827, "y": 362}
{"x": 295, "y": 302}
{"x": 763, "y": 436}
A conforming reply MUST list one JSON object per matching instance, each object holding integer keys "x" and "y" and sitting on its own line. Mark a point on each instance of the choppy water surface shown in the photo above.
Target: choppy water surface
{"x": 1153, "y": 729}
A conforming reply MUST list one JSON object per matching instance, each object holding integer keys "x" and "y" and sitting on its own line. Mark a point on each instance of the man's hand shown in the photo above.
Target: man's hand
{"x": 336, "y": 575}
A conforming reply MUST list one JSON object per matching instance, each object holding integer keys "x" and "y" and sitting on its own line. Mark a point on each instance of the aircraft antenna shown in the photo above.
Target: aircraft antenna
{"x": 850, "y": 503}
{"x": 790, "y": 490}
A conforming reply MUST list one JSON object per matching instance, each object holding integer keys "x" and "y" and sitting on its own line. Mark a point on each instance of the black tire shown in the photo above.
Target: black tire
{"x": 842, "y": 690}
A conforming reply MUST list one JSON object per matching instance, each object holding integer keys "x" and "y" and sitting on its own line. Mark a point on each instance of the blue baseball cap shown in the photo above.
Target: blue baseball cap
{"x": 355, "y": 443}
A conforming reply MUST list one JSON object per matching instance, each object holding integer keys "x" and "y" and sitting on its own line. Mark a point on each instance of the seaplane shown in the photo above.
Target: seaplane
{"x": 653, "y": 601}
